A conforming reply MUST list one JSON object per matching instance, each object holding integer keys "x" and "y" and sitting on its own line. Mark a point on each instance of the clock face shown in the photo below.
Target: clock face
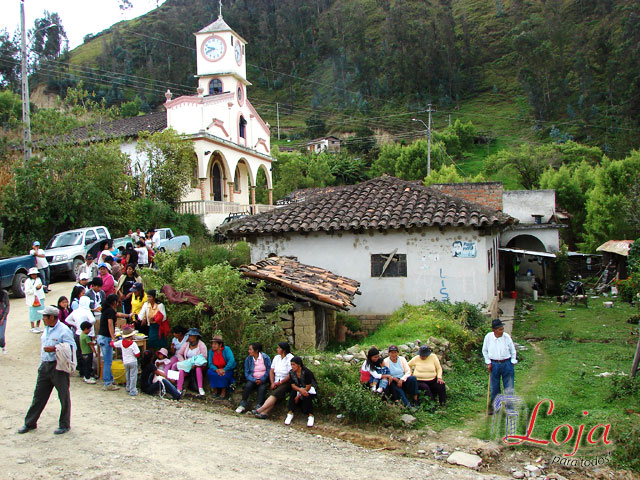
{"x": 213, "y": 48}
{"x": 238, "y": 53}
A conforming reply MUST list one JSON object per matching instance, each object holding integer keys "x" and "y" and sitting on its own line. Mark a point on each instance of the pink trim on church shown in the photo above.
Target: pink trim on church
{"x": 263, "y": 142}
{"x": 220, "y": 124}
{"x": 260, "y": 121}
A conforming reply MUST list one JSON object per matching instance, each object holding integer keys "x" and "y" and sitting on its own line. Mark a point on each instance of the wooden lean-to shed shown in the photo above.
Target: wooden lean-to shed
{"x": 315, "y": 293}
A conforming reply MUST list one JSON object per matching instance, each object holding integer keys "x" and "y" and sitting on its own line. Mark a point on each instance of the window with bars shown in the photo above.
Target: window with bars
{"x": 397, "y": 267}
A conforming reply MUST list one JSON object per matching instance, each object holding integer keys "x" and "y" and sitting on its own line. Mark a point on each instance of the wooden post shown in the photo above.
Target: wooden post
{"x": 271, "y": 196}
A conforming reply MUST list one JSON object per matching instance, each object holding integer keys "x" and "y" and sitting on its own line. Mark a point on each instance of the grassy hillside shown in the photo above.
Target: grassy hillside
{"x": 514, "y": 68}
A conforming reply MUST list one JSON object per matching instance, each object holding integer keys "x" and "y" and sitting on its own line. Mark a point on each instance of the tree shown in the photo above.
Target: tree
{"x": 450, "y": 174}
{"x": 67, "y": 187}
{"x": 412, "y": 164}
{"x": 346, "y": 170}
{"x": 48, "y": 37}
{"x": 387, "y": 159}
{"x": 10, "y": 54}
{"x": 608, "y": 201}
{"x": 527, "y": 163}
{"x": 164, "y": 166}
{"x": 295, "y": 170}
{"x": 316, "y": 127}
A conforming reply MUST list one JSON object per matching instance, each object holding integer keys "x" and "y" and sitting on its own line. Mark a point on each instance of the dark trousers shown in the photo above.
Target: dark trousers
{"x": 85, "y": 366}
{"x": 305, "y": 403}
{"x": 433, "y": 389}
{"x": 249, "y": 388}
{"x": 48, "y": 378}
{"x": 409, "y": 387}
{"x": 45, "y": 276}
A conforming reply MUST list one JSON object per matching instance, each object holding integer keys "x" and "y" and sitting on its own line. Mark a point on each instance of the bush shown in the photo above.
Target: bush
{"x": 202, "y": 254}
{"x": 341, "y": 391}
{"x": 566, "y": 335}
{"x": 628, "y": 289}
{"x": 633, "y": 259}
{"x": 352, "y": 323}
{"x": 154, "y": 214}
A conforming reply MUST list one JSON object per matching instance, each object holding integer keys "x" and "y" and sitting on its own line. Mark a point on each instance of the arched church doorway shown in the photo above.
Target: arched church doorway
{"x": 216, "y": 182}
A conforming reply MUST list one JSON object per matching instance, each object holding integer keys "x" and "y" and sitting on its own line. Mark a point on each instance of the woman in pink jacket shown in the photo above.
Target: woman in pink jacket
{"x": 191, "y": 349}
{"x": 108, "y": 284}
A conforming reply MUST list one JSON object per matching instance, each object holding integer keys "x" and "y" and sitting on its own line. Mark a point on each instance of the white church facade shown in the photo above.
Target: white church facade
{"x": 231, "y": 142}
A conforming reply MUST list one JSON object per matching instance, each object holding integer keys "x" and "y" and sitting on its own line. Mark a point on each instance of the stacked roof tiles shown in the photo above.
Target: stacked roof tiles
{"x": 311, "y": 282}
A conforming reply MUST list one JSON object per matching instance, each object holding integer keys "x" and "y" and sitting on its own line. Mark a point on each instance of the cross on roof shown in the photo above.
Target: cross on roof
{"x": 220, "y": 3}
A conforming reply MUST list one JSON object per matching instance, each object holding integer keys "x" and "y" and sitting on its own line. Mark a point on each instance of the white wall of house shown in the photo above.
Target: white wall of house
{"x": 549, "y": 237}
{"x": 432, "y": 271}
{"x": 521, "y": 204}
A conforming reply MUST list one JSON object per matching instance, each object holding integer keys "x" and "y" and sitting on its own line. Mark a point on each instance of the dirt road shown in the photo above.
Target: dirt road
{"x": 116, "y": 436}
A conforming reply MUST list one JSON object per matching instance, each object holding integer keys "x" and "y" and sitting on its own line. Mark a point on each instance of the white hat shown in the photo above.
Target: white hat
{"x": 33, "y": 271}
{"x": 84, "y": 276}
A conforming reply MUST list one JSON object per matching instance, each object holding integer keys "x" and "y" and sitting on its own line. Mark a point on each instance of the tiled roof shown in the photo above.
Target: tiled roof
{"x": 312, "y": 282}
{"x": 382, "y": 203}
{"x": 121, "y": 128}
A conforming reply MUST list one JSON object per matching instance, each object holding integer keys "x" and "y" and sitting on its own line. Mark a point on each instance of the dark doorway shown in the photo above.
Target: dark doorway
{"x": 322, "y": 328}
{"x": 216, "y": 182}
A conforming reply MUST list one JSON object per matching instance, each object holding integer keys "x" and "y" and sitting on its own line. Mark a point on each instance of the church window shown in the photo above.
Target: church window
{"x": 242, "y": 127}
{"x": 215, "y": 86}
{"x": 236, "y": 180}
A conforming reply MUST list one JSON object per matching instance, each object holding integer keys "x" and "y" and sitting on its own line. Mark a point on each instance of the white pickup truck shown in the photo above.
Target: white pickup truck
{"x": 169, "y": 242}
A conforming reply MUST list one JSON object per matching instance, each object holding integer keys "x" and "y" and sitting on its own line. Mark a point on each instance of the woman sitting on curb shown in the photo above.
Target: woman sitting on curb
{"x": 153, "y": 381}
{"x": 279, "y": 378}
{"x": 221, "y": 366}
{"x": 428, "y": 372}
{"x": 192, "y": 355}
{"x": 304, "y": 389}
{"x": 402, "y": 382}
{"x": 256, "y": 371}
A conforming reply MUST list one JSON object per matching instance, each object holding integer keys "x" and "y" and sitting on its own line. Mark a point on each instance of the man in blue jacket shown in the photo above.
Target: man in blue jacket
{"x": 256, "y": 371}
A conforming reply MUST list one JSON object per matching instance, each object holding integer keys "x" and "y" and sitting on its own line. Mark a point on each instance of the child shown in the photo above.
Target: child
{"x": 162, "y": 360}
{"x": 65, "y": 311}
{"x": 130, "y": 354}
{"x": 378, "y": 375}
{"x": 35, "y": 298}
{"x": 87, "y": 349}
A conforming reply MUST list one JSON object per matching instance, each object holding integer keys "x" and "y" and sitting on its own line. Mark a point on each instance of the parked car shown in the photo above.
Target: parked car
{"x": 66, "y": 251}
{"x": 169, "y": 242}
{"x": 13, "y": 273}
{"x": 218, "y": 235}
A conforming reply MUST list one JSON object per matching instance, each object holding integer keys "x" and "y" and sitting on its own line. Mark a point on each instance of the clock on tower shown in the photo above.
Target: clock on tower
{"x": 221, "y": 59}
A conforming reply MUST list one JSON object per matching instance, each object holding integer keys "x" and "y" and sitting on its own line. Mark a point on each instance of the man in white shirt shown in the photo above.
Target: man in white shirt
{"x": 155, "y": 238}
{"x": 41, "y": 264}
{"x": 143, "y": 255}
{"x": 500, "y": 356}
{"x": 89, "y": 267}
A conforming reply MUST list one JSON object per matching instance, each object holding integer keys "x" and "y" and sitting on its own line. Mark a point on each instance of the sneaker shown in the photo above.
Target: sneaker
{"x": 89, "y": 380}
{"x": 373, "y": 387}
{"x": 380, "y": 390}
{"x": 287, "y": 421}
{"x": 133, "y": 394}
{"x": 40, "y": 330}
{"x": 201, "y": 392}
{"x": 111, "y": 387}
{"x": 261, "y": 416}
{"x": 310, "y": 421}
{"x": 4, "y": 350}
{"x": 34, "y": 330}
{"x": 240, "y": 409}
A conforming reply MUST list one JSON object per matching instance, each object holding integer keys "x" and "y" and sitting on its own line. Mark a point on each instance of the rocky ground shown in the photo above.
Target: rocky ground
{"x": 117, "y": 436}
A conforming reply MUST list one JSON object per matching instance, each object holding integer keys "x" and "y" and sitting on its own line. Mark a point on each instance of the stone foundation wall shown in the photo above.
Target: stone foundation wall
{"x": 371, "y": 322}
{"x": 304, "y": 329}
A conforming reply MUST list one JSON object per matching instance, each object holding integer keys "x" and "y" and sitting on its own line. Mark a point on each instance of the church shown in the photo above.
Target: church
{"x": 231, "y": 141}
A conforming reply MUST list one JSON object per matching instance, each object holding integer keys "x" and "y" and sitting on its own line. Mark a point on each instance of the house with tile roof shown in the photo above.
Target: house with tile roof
{"x": 403, "y": 242}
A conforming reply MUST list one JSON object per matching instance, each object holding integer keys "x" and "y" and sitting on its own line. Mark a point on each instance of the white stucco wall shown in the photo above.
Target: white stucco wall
{"x": 521, "y": 204}
{"x": 432, "y": 271}
{"x": 549, "y": 236}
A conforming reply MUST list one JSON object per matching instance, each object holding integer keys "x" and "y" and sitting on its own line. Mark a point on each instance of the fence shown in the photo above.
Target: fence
{"x": 206, "y": 207}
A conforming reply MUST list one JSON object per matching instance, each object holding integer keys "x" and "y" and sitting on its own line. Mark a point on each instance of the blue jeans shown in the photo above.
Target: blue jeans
{"x": 410, "y": 386}
{"x": 107, "y": 359}
{"x": 2, "y": 329}
{"x": 380, "y": 382}
{"x": 505, "y": 372}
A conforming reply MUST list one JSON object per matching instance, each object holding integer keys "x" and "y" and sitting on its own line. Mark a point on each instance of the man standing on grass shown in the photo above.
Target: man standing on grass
{"x": 500, "y": 356}
{"x": 49, "y": 376}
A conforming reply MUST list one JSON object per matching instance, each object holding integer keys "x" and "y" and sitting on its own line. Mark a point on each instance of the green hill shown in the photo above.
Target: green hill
{"x": 520, "y": 70}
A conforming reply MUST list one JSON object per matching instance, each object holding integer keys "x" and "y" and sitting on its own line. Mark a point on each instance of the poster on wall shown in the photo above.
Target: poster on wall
{"x": 464, "y": 249}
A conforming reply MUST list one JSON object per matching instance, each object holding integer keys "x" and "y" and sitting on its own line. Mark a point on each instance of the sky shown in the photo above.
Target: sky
{"x": 79, "y": 17}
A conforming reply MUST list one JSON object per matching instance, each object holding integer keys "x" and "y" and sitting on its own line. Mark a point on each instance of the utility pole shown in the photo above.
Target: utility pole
{"x": 278, "y": 118}
{"x": 26, "y": 119}
{"x": 429, "y": 142}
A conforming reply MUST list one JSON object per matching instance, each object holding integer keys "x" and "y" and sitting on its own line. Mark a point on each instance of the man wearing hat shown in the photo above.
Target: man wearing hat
{"x": 500, "y": 356}
{"x": 41, "y": 264}
{"x": 55, "y": 333}
{"x": 89, "y": 268}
